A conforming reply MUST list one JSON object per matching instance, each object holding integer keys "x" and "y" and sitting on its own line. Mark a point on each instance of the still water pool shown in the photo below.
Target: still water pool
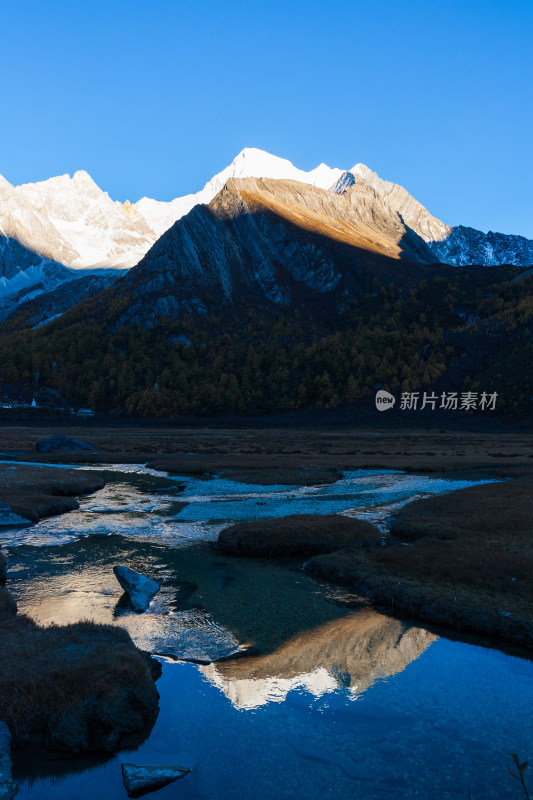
{"x": 315, "y": 697}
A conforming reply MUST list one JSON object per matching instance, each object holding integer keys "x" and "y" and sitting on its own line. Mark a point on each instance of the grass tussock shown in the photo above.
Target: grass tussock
{"x": 79, "y": 687}
{"x": 35, "y": 492}
{"x": 466, "y": 561}
{"x": 498, "y": 509}
{"x": 7, "y": 604}
{"x": 297, "y": 534}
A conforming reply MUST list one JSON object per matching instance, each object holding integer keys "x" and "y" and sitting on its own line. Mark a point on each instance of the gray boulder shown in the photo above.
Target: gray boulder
{"x": 8, "y": 787}
{"x": 61, "y": 442}
{"x": 140, "y": 589}
{"x": 141, "y": 780}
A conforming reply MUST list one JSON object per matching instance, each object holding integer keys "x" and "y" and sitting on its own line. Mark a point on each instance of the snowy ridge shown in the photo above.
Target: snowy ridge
{"x": 73, "y": 222}
{"x": 70, "y": 221}
{"x": 459, "y": 246}
{"x": 250, "y": 163}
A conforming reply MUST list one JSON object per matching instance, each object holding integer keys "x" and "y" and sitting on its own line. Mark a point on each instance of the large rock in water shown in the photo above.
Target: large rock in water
{"x": 297, "y": 534}
{"x": 140, "y": 589}
{"x": 8, "y": 787}
{"x": 61, "y": 442}
{"x": 141, "y": 780}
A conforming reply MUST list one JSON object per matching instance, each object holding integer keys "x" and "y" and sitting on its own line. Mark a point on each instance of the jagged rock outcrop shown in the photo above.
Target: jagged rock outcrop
{"x": 469, "y": 246}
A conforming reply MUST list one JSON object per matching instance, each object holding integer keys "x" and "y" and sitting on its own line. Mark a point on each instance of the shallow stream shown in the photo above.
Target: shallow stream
{"x": 314, "y": 697}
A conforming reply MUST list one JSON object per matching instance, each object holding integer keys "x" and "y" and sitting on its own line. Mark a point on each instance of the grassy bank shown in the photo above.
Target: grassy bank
{"x": 82, "y": 687}
{"x": 35, "y": 492}
{"x": 463, "y": 559}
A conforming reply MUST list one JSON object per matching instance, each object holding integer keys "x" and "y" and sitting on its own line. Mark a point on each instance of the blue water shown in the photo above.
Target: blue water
{"x": 333, "y": 702}
{"x": 439, "y": 729}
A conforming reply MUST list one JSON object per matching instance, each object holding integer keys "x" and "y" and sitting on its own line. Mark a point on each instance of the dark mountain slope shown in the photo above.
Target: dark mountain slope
{"x": 50, "y": 305}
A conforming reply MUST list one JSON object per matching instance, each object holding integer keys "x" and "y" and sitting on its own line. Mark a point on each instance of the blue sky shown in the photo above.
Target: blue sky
{"x": 153, "y": 98}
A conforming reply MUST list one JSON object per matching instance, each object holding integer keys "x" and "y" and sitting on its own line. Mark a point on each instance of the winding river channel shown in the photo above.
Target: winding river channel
{"x": 274, "y": 685}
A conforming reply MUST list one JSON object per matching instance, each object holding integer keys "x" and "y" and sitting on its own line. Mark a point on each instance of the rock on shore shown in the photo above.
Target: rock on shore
{"x": 60, "y": 442}
{"x": 140, "y": 780}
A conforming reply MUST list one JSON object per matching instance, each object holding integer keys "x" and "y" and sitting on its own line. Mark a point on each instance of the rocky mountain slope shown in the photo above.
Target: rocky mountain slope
{"x": 275, "y": 241}
{"x": 459, "y": 246}
{"x": 26, "y": 276}
{"x": 250, "y": 163}
{"x": 41, "y": 307}
{"x": 277, "y": 296}
{"x": 23, "y": 273}
{"x": 70, "y": 222}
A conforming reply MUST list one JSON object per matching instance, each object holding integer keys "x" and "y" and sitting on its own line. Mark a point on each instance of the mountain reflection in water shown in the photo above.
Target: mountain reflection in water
{"x": 352, "y": 652}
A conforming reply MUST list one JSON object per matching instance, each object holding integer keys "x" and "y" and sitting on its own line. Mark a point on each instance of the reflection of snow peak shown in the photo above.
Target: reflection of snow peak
{"x": 250, "y": 693}
{"x": 349, "y": 654}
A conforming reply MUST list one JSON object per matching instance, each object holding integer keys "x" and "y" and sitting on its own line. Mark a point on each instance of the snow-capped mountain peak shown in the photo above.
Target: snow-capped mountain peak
{"x": 71, "y": 222}
{"x": 249, "y": 163}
